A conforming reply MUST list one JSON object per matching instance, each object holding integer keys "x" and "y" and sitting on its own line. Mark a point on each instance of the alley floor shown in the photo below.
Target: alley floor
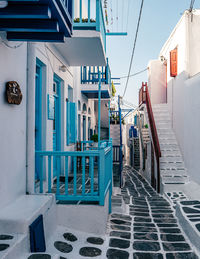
{"x": 147, "y": 229}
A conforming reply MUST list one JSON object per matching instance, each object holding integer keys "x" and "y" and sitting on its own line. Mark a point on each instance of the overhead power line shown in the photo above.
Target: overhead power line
{"x": 137, "y": 73}
{"x": 134, "y": 45}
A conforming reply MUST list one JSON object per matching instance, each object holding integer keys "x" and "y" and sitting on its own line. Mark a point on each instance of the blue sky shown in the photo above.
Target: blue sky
{"x": 159, "y": 17}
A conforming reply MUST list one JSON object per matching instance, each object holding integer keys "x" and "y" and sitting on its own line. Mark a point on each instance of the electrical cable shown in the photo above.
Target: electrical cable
{"x": 137, "y": 73}
{"x": 134, "y": 45}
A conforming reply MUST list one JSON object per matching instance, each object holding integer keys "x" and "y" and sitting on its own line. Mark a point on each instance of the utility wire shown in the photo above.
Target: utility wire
{"x": 137, "y": 73}
{"x": 191, "y": 5}
{"x": 133, "y": 52}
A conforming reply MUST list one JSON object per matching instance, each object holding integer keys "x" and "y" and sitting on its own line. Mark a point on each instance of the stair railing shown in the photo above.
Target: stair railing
{"x": 144, "y": 98}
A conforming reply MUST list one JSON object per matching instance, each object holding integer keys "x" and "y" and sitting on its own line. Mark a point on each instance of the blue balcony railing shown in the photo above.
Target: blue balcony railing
{"x": 89, "y": 75}
{"x": 48, "y": 20}
{"x": 79, "y": 176}
{"x": 90, "y": 17}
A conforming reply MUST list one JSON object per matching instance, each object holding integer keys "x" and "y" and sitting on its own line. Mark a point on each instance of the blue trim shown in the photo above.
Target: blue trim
{"x": 71, "y": 123}
{"x": 58, "y": 81}
{"x": 116, "y": 33}
{"x": 38, "y": 115}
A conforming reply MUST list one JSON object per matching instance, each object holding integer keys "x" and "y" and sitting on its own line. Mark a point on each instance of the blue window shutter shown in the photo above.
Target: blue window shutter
{"x": 73, "y": 122}
{"x": 68, "y": 122}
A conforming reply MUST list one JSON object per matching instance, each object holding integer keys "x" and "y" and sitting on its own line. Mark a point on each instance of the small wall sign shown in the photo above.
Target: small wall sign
{"x": 13, "y": 92}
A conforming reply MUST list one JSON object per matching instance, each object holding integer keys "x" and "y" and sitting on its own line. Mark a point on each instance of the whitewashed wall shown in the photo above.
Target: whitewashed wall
{"x": 183, "y": 91}
{"x": 157, "y": 81}
{"x": 12, "y": 125}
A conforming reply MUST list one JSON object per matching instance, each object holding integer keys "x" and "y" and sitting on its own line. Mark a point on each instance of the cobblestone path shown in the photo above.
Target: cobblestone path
{"x": 150, "y": 230}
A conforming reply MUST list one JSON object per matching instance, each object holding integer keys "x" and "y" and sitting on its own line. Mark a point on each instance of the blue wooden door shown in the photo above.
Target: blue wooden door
{"x": 38, "y": 116}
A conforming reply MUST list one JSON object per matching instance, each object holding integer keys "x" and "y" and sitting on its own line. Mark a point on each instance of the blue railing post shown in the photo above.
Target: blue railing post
{"x": 120, "y": 151}
{"x": 99, "y": 111}
{"x": 80, "y": 11}
{"x": 111, "y": 180}
{"x": 88, "y": 11}
{"x": 101, "y": 175}
{"x": 41, "y": 174}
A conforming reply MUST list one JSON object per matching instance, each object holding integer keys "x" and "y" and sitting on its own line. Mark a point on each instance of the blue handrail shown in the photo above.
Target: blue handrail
{"x": 67, "y": 167}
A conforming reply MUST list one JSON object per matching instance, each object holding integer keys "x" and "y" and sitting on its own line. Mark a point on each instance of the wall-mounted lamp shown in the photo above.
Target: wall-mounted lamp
{"x": 62, "y": 68}
{"x": 163, "y": 60}
{"x": 3, "y": 3}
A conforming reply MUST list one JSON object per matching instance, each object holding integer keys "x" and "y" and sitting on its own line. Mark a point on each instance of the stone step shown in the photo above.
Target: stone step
{"x": 168, "y": 159}
{"x": 169, "y": 146}
{"x": 168, "y": 141}
{"x": 171, "y": 153}
{"x": 174, "y": 179}
{"x": 26, "y": 209}
{"x": 176, "y": 171}
{"x": 171, "y": 166}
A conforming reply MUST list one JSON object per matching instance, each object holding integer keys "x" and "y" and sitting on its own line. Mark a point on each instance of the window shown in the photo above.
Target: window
{"x": 173, "y": 62}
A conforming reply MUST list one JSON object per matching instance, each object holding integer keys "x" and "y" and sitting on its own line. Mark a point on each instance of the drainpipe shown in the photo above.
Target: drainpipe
{"x": 99, "y": 111}
{"x": 30, "y": 119}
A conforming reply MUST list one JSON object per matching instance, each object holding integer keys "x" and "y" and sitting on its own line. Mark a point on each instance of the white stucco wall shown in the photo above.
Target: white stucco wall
{"x": 157, "y": 82}
{"x": 12, "y": 125}
{"x": 183, "y": 90}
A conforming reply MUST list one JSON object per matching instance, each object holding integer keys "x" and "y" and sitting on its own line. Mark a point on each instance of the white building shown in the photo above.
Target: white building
{"x": 59, "y": 85}
{"x": 181, "y": 91}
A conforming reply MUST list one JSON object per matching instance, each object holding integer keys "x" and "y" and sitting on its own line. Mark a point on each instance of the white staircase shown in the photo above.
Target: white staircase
{"x": 172, "y": 166}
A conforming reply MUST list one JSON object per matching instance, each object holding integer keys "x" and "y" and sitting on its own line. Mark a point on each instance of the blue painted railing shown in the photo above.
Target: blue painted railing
{"x": 89, "y": 75}
{"x": 85, "y": 20}
{"x": 66, "y": 163}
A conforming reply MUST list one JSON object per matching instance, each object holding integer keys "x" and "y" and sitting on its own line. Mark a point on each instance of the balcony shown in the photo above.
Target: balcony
{"x": 90, "y": 81}
{"x": 87, "y": 46}
{"x": 77, "y": 177}
{"x": 37, "y": 20}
